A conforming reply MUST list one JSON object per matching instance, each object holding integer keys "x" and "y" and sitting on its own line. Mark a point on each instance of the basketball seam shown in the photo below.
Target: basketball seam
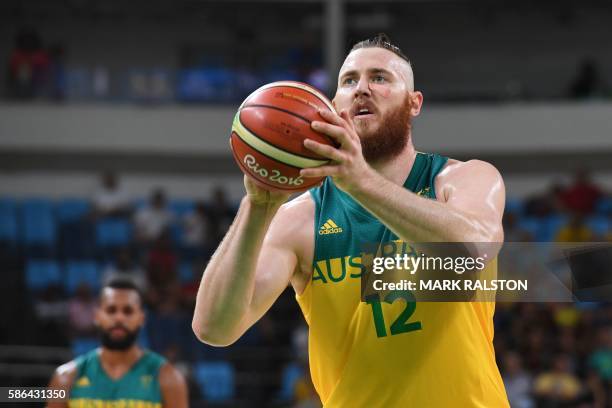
{"x": 276, "y": 147}
{"x": 292, "y": 84}
{"x": 297, "y": 156}
{"x": 263, "y": 154}
{"x": 245, "y": 169}
{"x": 259, "y": 105}
{"x": 297, "y": 87}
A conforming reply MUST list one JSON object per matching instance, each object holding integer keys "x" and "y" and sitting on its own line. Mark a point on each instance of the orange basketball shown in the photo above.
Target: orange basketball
{"x": 268, "y": 134}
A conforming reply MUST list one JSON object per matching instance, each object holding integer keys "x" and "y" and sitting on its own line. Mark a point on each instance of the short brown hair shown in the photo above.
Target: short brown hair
{"x": 380, "y": 40}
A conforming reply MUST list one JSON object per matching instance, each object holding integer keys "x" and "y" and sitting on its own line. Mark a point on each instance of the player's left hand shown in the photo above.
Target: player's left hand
{"x": 348, "y": 166}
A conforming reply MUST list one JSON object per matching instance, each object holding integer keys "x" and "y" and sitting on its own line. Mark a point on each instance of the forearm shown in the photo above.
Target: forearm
{"x": 414, "y": 218}
{"x": 227, "y": 286}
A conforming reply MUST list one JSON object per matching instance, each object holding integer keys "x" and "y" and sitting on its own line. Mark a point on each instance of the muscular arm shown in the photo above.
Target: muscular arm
{"x": 250, "y": 269}
{"x": 173, "y": 387}
{"x": 62, "y": 379}
{"x": 469, "y": 208}
{"x": 470, "y": 195}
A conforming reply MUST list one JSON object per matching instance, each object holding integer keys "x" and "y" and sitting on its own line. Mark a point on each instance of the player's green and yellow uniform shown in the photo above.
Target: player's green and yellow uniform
{"x": 397, "y": 354}
{"x": 138, "y": 388}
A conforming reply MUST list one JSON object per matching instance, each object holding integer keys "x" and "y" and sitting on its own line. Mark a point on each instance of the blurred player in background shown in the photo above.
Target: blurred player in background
{"x": 120, "y": 372}
{"x": 378, "y": 189}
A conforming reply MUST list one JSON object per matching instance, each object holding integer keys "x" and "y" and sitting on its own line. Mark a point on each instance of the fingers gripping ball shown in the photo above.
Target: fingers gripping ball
{"x": 268, "y": 135}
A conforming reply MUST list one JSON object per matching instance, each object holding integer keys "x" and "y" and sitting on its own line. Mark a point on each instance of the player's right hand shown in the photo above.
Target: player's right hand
{"x": 259, "y": 195}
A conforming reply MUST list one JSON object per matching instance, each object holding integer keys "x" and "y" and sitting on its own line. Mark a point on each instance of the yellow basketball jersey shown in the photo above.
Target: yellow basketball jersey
{"x": 394, "y": 353}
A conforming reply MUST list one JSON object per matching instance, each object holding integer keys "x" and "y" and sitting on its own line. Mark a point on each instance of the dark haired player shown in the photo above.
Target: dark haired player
{"x": 390, "y": 352}
{"x": 120, "y": 373}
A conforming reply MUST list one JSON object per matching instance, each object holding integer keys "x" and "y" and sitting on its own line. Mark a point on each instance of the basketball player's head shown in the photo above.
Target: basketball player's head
{"x": 120, "y": 315}
{"x": 376, "y": 88}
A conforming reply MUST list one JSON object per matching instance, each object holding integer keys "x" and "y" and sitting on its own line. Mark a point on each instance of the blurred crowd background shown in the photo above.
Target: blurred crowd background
{"x": 164, "y": 52}
{"x": 80, "y": 205}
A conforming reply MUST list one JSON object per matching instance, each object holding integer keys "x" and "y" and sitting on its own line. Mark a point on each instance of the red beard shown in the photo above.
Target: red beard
{"x": 391, "y": 137}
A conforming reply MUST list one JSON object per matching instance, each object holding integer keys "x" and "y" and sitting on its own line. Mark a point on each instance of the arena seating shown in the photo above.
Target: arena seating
{"x": 62, "y": 246}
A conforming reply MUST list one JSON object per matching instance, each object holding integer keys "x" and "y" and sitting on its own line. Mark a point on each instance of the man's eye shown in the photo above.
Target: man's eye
{"x": 349, "y": 81}
{"x": 378, "y": 79}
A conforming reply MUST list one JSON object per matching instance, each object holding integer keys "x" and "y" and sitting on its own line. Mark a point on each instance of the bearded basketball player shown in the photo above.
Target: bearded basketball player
{"x": 378, "y": 188}
{"x": 120, "y": 373}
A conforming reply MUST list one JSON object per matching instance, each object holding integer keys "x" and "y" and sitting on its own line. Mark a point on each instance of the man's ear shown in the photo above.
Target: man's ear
{"x": 416, "y": 103}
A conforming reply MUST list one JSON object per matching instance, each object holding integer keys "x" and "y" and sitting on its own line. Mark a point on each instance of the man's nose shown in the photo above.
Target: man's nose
{"x": 119, "y": 318}
{"x": 362, "y": 88}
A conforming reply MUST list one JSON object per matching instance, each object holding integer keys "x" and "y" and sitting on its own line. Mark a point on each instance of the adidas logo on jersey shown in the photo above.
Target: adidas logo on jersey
{"x": 146, "y": 380}
{"x": 329, "y": 227}
{"x": 83, "y": 382}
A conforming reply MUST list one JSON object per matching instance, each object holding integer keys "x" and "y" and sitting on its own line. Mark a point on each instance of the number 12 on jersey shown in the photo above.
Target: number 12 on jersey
{"x": 400, "y": 324}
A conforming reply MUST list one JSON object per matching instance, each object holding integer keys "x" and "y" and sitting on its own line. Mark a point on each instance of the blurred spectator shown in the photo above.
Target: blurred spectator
{"x": 189, "y": 288}
{"x": 52, "y": 313}
{"x": 517, "y": 381}
{"x": 575, "y": 231}
{"x": 197, "y": 227}
{"x": 545, "y": 204}
{"x": 100, "y": 82}
{"x": 57, "y": 73}
{"x": 152, "y": 220}
{"x": 601, "y": 358}
{"x": 582, "y": 195}
{"x": 81, "y": 310}
{"x": 308, "y": 59}
{"x": 565, "y": 315}
{"x": 111, "y": 200}
{"x": 304, "y": 391}
{"x": 588, "y": 81}
{"x": 595, "y": 392}
{"x": 28, "y": 65}
{"x": 319, "y": 78}
{"x": 299, "y": 341}
{"x": 168, "y": 323}
{"x": 567, "y": 344}
{"x": 512, "y": 231}
{"x": 536, "y": 349}
{"x": 162, "y": 270}
{"x": 222, "y": 214}
{"x": 125, "y": 268}
{"x": 559, "y": 385}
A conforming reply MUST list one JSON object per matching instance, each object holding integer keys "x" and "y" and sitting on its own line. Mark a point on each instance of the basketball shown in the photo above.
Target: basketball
{"x": 268, "y": 134}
